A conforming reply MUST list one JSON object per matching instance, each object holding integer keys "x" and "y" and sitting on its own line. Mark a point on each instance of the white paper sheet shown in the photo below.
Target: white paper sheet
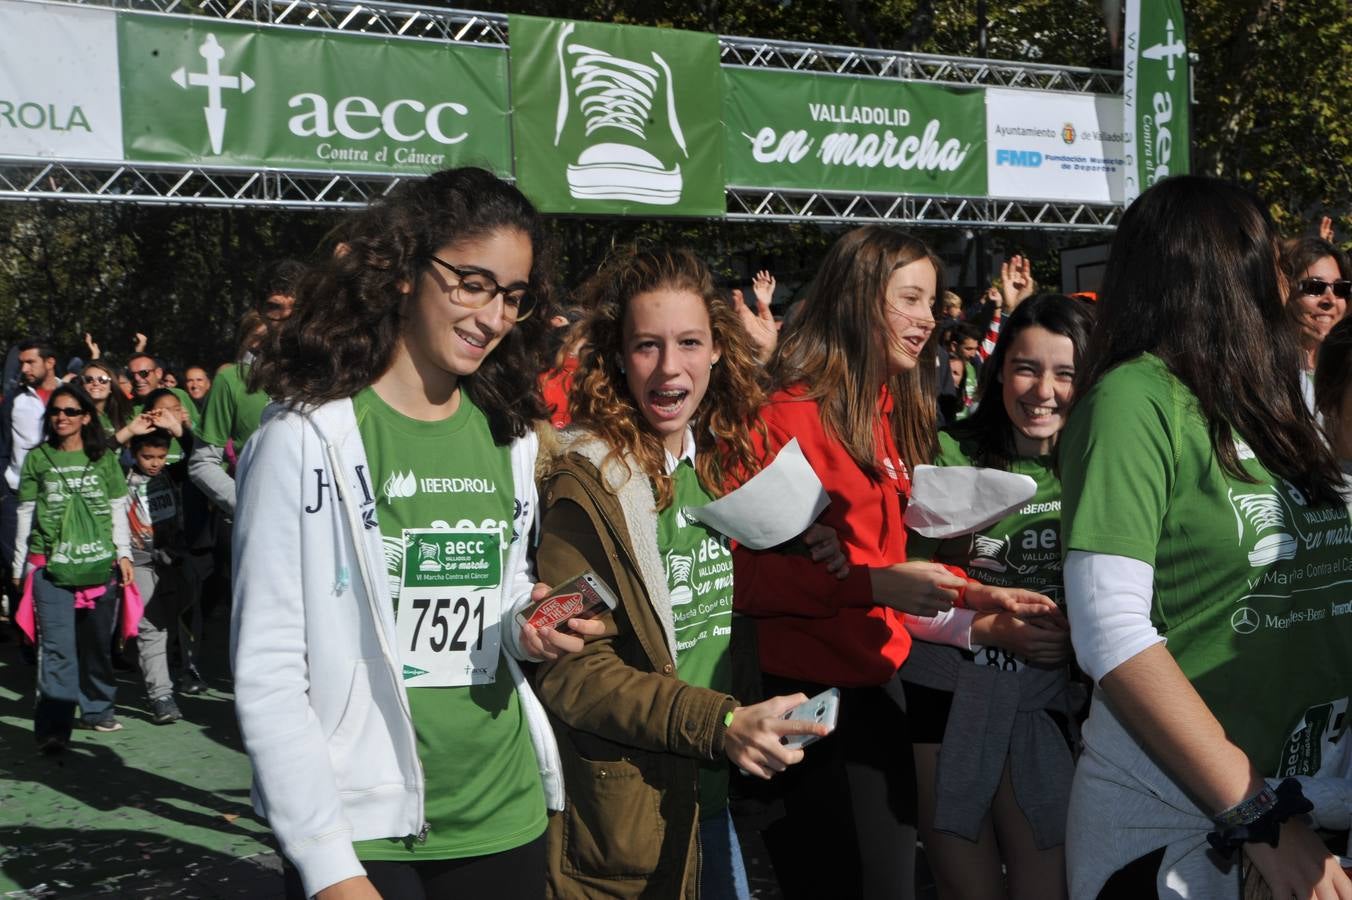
{"x": 947, "y": 501}
{"x": 775, "y": 506}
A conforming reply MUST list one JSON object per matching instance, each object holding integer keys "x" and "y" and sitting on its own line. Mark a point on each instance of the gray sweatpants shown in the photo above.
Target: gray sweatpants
{"x": 160, "y": 588}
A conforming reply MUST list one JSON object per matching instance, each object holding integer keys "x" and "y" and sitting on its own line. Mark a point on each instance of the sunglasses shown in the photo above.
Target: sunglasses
{"x": 1315, "y": 287}
{"x": 70, "y": 412}
{"x": 141, "y": 373}
{"x": 96, "y": 379}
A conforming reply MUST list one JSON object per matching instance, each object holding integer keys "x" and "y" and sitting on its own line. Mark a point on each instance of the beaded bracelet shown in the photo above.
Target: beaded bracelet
{"x": 1289, "y": 801}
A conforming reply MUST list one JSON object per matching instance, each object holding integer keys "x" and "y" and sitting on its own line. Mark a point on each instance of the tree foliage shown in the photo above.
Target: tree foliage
{"x": 1273, "y": 97}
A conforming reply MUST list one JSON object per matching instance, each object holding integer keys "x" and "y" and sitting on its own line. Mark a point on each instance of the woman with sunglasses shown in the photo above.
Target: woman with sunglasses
{"x": 1320, "y": 282}
{"x": 384, "y": 510}
{"x": 1206, "y": 549}
{"x": 100, "y": 382}
{"x": 73, "y": 536}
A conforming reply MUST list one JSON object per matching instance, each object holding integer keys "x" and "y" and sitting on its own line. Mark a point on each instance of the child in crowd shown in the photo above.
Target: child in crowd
{"x": 155, "y": 515}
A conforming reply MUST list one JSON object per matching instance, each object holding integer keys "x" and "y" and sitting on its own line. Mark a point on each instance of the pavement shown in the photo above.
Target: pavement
{"x": 152, "y": 811}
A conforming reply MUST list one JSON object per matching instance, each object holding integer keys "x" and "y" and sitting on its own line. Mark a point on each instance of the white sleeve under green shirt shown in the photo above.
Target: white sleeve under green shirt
{"x": 698, "y": 561}
{"x": 1253, "y": 584}
{"x": 444, "y": 501}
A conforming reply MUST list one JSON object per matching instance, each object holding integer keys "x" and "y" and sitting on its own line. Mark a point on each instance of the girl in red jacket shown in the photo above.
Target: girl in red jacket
{"x": 853, "y": 383}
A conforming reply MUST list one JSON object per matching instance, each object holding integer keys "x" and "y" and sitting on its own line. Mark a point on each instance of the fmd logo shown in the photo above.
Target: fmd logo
{"x": 1027, "y": 159}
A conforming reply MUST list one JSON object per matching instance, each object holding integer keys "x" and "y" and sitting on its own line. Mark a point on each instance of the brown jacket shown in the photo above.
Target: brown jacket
{"x": 631, "y": 733}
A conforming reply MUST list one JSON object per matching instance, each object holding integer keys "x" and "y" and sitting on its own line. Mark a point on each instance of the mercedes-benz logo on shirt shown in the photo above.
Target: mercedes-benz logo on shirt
{"x": 1244, "y": 621}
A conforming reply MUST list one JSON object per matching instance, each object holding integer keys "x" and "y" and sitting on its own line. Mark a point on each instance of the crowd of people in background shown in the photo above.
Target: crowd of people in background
{"x": 1133, "y": 682}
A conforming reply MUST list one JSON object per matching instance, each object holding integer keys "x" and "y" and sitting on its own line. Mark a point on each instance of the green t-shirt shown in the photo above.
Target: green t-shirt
{"x": 1251, "y": 581}
{"x": 175, "y": 449}
{"x": 699, "y": 576}
{"x": 483, "y": 790}
{"x": 1021, "y": 550}
{"x": 233, "y": 413}
{"x": 48, "y": 476}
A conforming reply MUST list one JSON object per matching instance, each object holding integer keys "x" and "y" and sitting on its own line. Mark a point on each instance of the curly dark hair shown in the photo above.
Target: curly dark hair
{"x": 350, "y": 309}
{"x": 600, "y": 400}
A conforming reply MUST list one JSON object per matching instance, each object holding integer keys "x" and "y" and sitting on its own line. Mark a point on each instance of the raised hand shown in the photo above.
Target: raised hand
{"x": 93, "y": 347}
{"x": 760, "y": 324}
{"x": 1016, "y": 282}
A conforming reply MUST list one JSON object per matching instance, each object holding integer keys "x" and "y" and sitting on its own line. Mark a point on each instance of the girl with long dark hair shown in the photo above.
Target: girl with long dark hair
{"x": 853, "y": 383}
{"x": 988, "y": 720}
{"x": 73, "y": 538}
{"x": 384, "y": 509}
{"x": 1206, "y": 546}
{"x": 99, "y": 380}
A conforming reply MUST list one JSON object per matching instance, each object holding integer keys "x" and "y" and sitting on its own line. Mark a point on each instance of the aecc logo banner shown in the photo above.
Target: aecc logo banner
{"x": 233, "y": 94}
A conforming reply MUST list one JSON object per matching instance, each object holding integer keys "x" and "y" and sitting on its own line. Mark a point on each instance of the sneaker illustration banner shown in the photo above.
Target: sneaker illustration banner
{"x": 616, "y": 119}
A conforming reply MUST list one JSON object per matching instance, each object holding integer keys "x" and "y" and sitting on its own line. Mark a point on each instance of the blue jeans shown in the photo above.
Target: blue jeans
{"x": 722, "y": 873}
{"x": 75, "y": 664}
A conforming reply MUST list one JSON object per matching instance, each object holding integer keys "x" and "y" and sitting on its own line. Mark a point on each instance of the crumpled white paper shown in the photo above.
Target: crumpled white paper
{"x": 774, "y": 506}
{"x": 947, "y": 501}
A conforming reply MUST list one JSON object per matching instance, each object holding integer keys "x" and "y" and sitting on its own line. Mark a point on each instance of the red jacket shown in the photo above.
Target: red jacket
{"x": 813, "y": 626}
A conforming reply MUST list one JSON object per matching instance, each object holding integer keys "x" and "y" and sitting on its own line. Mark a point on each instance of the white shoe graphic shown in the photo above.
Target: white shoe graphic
{"x": 678, "y": 577}
{"x": 1264, "y": 512}
{"x": 429, "y": 557}
{"x": 987, "y": 552}
{"x": 615, "y": 97}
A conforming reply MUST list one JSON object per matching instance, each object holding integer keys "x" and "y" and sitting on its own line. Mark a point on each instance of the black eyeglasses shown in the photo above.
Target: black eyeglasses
{"x": 70, "y": 412}
{"x": 96, "y": 379}
{"x": 142, "y": 374}
{"x": 1315, "y": 287}
{"x": 477, "y": 289}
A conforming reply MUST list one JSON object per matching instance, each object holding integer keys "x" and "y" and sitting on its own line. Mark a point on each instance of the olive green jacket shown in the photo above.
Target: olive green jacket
{"x": 631, "y": 733}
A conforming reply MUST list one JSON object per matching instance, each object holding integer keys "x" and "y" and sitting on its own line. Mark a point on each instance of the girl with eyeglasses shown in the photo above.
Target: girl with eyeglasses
{"x": 1320, "y": 281}
{"x": 1206, "y": 548}
{"x": 73, "y": 538}
{"x": 99, "y": 381}
{"x": 384, "y": 510}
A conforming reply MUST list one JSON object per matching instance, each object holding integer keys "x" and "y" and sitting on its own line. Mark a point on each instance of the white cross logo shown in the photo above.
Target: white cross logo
{"x": 214, "y": 82}
{"x": 1169, "y": 51}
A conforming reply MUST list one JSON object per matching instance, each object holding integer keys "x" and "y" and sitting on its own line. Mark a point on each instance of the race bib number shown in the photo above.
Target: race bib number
{"x": 998, "y": 658}
{"x": 450, "y": 607}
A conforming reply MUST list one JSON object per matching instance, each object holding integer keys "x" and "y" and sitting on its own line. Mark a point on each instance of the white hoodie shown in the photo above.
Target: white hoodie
{"x": 318, "y": 682}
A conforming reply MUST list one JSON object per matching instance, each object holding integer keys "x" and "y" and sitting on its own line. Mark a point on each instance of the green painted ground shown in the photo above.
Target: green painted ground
{"x": 149, "y": 811}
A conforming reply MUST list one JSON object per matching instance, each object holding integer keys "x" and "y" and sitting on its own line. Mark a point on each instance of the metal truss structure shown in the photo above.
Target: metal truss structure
{"x": 27, "y": 178}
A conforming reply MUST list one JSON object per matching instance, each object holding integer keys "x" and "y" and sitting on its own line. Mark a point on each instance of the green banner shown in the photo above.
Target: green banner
{"x": 824, "y": 132}
{"x": 1155, "y": 94}
{"x": 214, "y": 92}
{"x": 616, "y": 119}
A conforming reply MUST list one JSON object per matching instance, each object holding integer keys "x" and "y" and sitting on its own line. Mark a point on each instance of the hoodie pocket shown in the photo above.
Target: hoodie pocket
{"x": 612, "y": 823}
{"x": 362, "y": 747}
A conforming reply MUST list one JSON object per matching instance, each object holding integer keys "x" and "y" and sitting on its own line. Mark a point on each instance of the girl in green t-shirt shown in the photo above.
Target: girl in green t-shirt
{"x": 72, "y": 534}
{"x": 384, "y": 510}
{"x": 647, "y": 714}
{"x": 1001, "y": 812}
{"x": 1206, "y": 551}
